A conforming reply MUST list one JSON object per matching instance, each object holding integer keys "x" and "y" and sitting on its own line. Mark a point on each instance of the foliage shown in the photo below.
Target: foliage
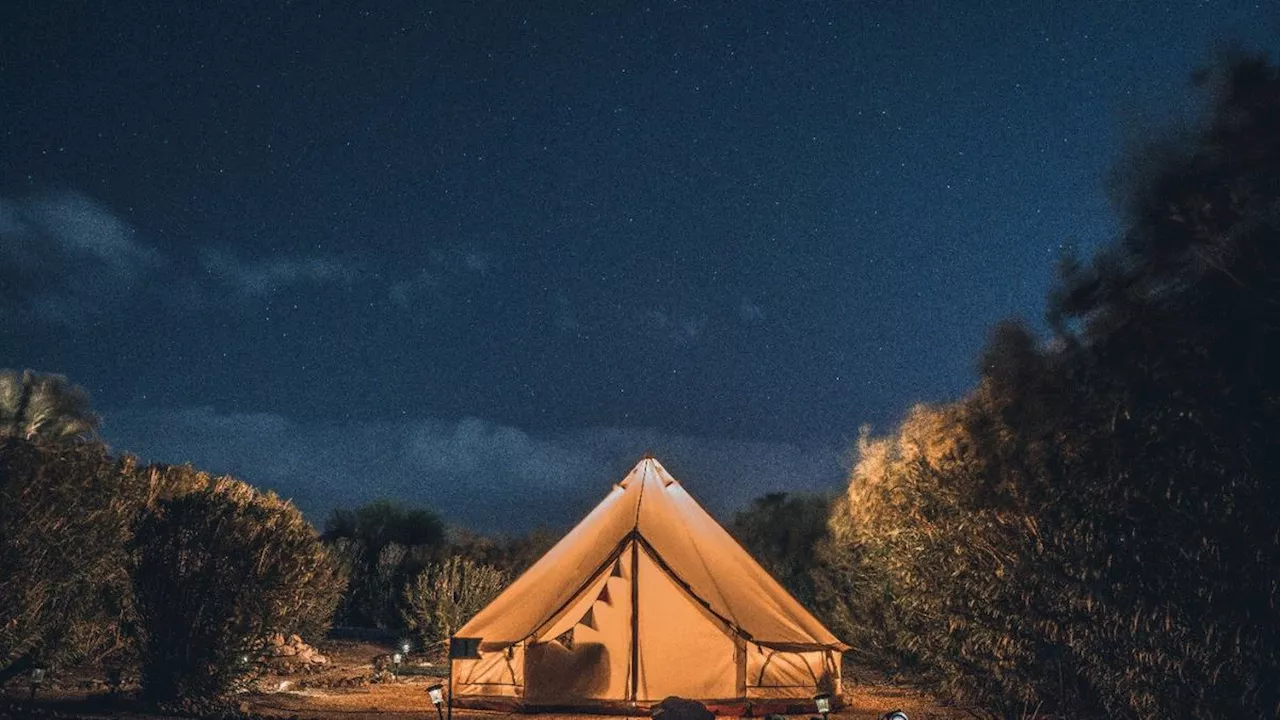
{"x": 511, "y": 554}
{"x": 382, "y": 523}
{"x": 385, "y": 547}
{"x": 1095, "y": 530}
{"x": 65, "y": 516}
{"x": 45, "y": 406}
{"x": 219, "y": 569}
{"x": 382, "y": 545}
{"x": 447, "y": 594}
{"x": 782, "y": 532}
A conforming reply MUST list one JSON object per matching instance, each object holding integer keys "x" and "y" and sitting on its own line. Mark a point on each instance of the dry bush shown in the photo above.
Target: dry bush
{"x": 444, "y": 596}
{"x": 220, "y": 568}
{"x": 1094, "y": 531}
{"x": 65, "y": 515}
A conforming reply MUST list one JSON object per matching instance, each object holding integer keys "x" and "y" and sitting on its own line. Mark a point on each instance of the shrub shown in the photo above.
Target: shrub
{"x": 444, "y": 596}
{"x": 1094, "y": 531}
{"x": 65, "y": 516}
{"x": 219, "y": 569}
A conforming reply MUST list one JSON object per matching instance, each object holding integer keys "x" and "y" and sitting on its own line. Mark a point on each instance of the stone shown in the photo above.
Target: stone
{"x": 287, "y": 650}
{"x": 295, "y": 641}
{"x": 277, "y": 639}
{"x": 319, "y": 659}
{"x": 675, "y": 708}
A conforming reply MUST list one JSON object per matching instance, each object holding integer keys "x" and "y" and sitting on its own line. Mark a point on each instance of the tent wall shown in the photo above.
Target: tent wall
{"x": 774, "y": 674}
{"x": 497, "y": 673}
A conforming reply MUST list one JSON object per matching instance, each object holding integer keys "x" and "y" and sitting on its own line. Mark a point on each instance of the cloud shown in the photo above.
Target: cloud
{"x": 65, "y": 259}
{"x": 679, "y": 328}
{"x": 443, "y": 272}
{"x": 488, "y": 476}
{"x": 263, "y": 277}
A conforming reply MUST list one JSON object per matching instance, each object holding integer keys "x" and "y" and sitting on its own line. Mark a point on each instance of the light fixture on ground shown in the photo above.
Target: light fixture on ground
{"x": 37, "y": 679}
{"x": 404, "y": 647}
{"x": 437, "y": 698}
{"x": 894, "y": 715}
{"x": 823, "y": 701}
{"x": 396, "y": 659}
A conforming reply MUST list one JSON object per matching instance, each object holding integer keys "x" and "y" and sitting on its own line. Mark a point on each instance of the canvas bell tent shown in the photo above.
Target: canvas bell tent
{"x": 647, "y": 597}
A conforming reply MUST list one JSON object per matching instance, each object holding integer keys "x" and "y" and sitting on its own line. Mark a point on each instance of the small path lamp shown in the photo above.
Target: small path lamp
{"x": 823, "y": 701}
{"x": 396, "y": 659}
{"x": 894, "y": 715}
{"x": 37, "y": 679}
{"x": 437, "y": 698}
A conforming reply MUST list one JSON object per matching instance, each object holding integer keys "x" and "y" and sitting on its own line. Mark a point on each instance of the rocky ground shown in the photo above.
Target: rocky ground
{"x": 350, "y": 680}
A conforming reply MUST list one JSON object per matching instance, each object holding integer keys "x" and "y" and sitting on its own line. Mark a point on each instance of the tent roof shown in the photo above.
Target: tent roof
{"x": 651, "y": 506}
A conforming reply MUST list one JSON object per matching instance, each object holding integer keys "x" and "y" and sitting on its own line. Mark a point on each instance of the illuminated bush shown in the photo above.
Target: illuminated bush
{"x": 445, "y": 595}
{"x": 219, "y": 569}
{"x": 66, "y": 511}
{"x": 1094, "y": 531}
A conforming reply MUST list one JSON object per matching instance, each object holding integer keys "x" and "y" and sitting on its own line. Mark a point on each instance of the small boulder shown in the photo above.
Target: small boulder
{"x": 319, "y": 659}
{"x": 277, "y": 640}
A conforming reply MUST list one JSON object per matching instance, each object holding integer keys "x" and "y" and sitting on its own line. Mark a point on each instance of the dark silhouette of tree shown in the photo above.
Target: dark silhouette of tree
{"x": 1095, "y": 529}
{"x": 781, "y": 532}
{"x": 382, "y": 546}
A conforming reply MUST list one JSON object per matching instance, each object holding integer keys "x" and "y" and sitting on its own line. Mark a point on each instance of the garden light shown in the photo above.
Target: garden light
{"x": 823, "y": 701}
{"x": 37, "y": 679}
{"x": 437, "y": 698}
{"x": 894, "y": 715}
{"x": 404, "y": 646}
{"x": 397, "y": 659}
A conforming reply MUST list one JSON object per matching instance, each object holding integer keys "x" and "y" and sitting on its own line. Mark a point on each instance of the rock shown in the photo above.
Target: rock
{"x": 319, "y": 659}
{"x": 295, "y": 641}
{"x": 287, "y": 650}
{"x": 675, "y": 708}
{"x": 277, "y": 639}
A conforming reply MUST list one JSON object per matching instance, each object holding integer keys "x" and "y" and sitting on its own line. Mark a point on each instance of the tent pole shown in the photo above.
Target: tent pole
{"x": 635, "y": 621}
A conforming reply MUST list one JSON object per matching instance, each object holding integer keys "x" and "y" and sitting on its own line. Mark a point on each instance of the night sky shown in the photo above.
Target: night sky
{"x": 483, "y": 255}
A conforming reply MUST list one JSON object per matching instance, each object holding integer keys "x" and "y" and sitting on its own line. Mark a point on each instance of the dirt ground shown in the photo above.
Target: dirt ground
{"x": 342, "y": 690}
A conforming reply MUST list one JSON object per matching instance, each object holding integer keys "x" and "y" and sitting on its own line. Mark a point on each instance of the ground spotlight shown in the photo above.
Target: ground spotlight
{"x": 894, "y": 715}
{"x": 437, "y": 698}
{"x": 37, "y": 679}
{"x": 823, "y": 701}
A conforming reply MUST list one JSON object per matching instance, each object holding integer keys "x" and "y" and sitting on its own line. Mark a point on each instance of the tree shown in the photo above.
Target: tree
{"x": 65, "y": 516}
{"x": 383, "y": 522}
{"x": 219, "y": 569}
{"x": 781, "y": 532}
{"x": 383, "y": 545}
{"x": 1095, "y": 529}
{"x": 446, "y": 595}
{"x": 35, "y": 405}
